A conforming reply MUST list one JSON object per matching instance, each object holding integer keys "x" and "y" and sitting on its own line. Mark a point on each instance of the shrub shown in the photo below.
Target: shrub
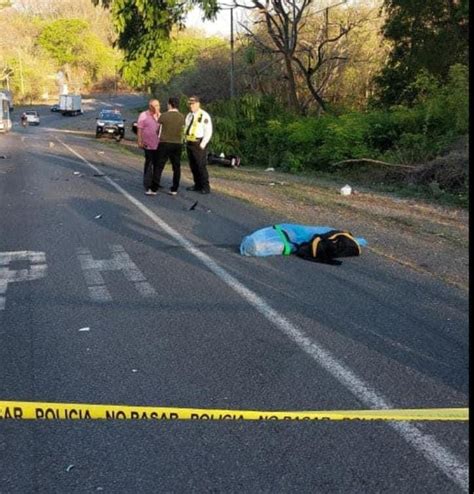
{"x": 264, "y": 134}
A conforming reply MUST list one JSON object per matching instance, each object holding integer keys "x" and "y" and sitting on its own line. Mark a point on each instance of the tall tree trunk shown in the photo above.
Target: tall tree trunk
{"x": 293, "y": 96}
{"x": 314, "y": 93}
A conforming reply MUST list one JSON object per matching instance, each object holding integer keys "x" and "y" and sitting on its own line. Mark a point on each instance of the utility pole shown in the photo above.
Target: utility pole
{"x": 22, "y": 82}
{"x": 327, "y": 22}
{"x": 232, "y": 65}
{"x": 326, "y": 14}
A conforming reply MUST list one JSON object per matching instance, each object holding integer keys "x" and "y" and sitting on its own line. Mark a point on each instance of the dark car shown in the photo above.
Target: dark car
{"x": 55, "y": 108}
{"x": 110, "y": 123}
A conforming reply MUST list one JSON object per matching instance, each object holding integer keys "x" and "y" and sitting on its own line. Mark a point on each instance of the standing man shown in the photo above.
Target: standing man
{"x": 198, "y": 134}
{"x": 171, "y": 142}
{"x": 148, "y": 130}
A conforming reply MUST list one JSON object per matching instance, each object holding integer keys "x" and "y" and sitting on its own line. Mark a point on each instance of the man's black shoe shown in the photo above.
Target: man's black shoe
{"x": 193, "y": 188}
{"x": 205, "y": 191}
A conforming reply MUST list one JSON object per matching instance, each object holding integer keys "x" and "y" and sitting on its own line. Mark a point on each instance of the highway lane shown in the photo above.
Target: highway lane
{"x": 189, "y": 339}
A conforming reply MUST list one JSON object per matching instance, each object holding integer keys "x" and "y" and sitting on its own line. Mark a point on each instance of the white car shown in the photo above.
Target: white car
{"x": 32, "y": 117}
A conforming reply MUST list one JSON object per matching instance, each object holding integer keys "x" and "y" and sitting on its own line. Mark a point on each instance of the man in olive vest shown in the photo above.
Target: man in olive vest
{"x": 171, "y": 142}
{"x": 198, "y": 134}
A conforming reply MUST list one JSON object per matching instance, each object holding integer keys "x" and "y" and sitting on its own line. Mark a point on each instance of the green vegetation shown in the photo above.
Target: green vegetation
{"x": 426, "y": 35}
{"x": 44, "y": 46}
{"x": 144, "y": 27}
{"x": 264, "y": 134}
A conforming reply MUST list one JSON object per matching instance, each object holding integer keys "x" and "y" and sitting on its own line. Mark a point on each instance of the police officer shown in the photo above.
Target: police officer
{"x": 198, "y": 133}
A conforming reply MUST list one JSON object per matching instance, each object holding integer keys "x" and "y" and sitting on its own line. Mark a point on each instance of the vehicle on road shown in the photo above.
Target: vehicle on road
{"x": 70, "y": 104}
{"x": 111, "y": 124}
{"x": 9, "y": 95}
{"x": 32, "y": 117}
{"x": 5, "y": 120}
{"x": 55, "y": 108}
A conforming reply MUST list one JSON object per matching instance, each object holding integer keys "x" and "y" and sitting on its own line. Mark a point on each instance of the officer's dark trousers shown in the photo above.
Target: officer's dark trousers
{"x": 171, "y": 151}
{"x": 198, "y": 164}
{"x": 151, "y": 179}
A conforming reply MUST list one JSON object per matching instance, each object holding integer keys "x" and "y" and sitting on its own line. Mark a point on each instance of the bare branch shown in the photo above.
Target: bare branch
{"x": 375, "y": 162}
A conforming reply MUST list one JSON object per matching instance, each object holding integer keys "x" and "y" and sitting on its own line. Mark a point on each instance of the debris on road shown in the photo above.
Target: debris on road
{"x": 77, "y": 173}
{"x": 85, "y": 329}
{"x": 99, "y": 174}
{"x": 98, "y": 217}
{"x": 346, "y": 190}
{"x": 3, "y": 157}
{"x": 193, "y": 207}
{"x": 69, "y": 468}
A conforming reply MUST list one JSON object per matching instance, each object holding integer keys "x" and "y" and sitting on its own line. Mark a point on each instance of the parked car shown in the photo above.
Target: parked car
{"x": 32, "y": 117}
{"x": 110, "y": 123}
{"x": 55, "y": 108}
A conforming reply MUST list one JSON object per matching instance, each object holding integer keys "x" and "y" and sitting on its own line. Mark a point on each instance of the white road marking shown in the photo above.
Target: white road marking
{"x": 449, "y": 463}
{"x": 121, "y": 261}
{"x": 36, "y": 270}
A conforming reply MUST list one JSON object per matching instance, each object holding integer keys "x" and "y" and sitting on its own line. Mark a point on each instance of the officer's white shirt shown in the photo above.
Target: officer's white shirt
{"x": 204, "y": 127}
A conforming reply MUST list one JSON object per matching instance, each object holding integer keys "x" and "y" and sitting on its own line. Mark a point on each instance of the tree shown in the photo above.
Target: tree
{"x": 178, "y": 55}
{"x": 429, "y": 35}
{"x": 282, "y": 22}
{"x": 144, "y": 27}
{"x": 206, "y": 75}
{"x": 311, "y": 48}
{"x": 77, "y": 50}
{"x": 63, "y": 40}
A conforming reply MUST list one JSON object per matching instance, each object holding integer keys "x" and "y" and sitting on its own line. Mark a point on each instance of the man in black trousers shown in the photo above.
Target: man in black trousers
{"x": 198, "y": 134}
{"x": 171, "y": 142}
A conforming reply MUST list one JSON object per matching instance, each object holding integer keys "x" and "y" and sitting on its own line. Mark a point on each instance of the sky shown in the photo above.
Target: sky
{"x": 219, "y": 27}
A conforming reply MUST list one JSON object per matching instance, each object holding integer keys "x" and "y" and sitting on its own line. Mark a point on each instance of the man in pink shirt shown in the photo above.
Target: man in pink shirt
{"x": 148, "y": 132}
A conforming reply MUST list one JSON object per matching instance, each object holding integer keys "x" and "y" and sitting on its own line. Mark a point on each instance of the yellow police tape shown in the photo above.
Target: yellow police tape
{"x": 23, "y": 410}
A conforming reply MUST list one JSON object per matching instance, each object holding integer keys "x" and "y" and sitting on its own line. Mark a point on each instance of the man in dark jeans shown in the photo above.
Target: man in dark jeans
{"x": 172, "y": 127}
{"x": 198, "y": 134}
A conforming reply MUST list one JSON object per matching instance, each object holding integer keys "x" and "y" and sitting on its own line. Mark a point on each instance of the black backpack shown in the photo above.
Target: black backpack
{"x": 325, "y": 247}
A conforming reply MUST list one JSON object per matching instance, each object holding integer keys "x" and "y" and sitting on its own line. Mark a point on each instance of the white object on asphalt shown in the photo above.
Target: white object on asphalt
{"x": 346, "y": 190}
{"x": 85, "y": 329}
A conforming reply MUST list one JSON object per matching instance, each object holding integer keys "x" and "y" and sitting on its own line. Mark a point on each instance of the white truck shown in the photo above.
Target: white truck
{"x": 5, "y": 120}
{"x": 70, "y": 104}
{"x": 8, "y": 94}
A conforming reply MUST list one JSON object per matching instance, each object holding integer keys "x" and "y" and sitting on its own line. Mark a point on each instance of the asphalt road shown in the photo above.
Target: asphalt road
{"x": 178, "y": 318}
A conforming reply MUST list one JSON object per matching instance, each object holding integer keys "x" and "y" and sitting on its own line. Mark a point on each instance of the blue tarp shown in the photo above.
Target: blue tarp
{"x": 268, "y": 242}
